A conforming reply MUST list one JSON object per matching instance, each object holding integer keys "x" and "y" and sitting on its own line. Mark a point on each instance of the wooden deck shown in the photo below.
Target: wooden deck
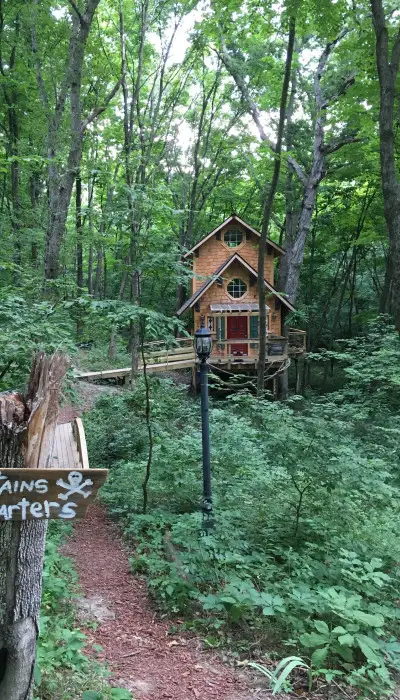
{"x": 126, "y": 371}
{"x": 160, "y": 358}
{"x": 65, "y": 450}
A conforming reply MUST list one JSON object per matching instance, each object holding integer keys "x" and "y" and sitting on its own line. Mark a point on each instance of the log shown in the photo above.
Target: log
{"x": 27, "y": 428}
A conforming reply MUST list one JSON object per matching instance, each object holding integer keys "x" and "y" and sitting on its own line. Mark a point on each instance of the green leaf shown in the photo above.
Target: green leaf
{"x": 366, "y": 644}
{"x": 120, "y": 694}
{"x": 37, "y": 675}
{"x": 295, "y": 663}
{"x": 321, "y": 627}
{"x": 313, "y": 640}
{"x": 284, "y": 662}
{"x": 268, "y": 611}
{"x": 368, "y": 619}
{"x": 262, "y": 669}
{"x": 92, "y": 695}
{"x": 344, "y": 652}
{"x": 346, "y": 640}
{"x": 319, "y": 656}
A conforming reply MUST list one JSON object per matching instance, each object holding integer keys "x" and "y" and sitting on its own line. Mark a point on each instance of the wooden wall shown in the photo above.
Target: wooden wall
{"x": 219, "y": 295}
{"x": 214, "y": 252}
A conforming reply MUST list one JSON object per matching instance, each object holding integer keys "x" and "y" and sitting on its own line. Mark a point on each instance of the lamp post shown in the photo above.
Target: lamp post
{"x": 203, "y": 347}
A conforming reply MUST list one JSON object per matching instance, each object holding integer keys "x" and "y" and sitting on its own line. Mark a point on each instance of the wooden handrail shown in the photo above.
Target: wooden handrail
{"x": 80, "y": 437}
{"x": 297, "y": 330}
{"x": 174, "y": 344}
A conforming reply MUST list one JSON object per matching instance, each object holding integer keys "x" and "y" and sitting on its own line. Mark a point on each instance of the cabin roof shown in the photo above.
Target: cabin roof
{"x": 233, "y": 258}
{"x": 236, "y": 219}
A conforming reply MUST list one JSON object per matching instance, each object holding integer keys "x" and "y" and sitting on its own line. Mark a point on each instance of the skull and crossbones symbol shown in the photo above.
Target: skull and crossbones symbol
{"x": 74, "y": 486}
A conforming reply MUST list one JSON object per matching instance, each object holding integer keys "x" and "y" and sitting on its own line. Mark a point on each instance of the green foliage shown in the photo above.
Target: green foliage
{"x": 115, "y": 694}
{"x": 27, "y": 326}
{"x": 60, "y": 644}
{"x": 279, "y": 678}
{"x": 306, "y": 544}
{"x": 62, "y": 670}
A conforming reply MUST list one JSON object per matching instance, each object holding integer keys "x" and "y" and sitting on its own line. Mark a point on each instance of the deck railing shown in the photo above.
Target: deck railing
{"x": 297, "y": 341}
{"x": 160, "y": 352}
{"x": 276, "y": 346}
{"x": 80, "y": 439}
{"x": 182, "y": 348}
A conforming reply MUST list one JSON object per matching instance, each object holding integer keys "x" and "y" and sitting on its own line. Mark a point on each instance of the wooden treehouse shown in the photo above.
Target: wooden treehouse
{"x": 224, "y": 294}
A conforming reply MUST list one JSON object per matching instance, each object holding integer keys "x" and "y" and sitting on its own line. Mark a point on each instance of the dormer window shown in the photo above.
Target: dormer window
{"x": 233, "y": 237}
{"x": 236, "y": 288}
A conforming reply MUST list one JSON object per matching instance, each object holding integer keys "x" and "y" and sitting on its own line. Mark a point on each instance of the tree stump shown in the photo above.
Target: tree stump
{"x": 27, "y": 429}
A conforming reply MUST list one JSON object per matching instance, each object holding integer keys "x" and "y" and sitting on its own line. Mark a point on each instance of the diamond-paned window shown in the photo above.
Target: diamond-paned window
{"x": 233, "y": 237}
{"x": 236, "y": 288}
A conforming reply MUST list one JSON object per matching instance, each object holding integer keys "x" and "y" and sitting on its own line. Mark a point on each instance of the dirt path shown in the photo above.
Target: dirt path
{"x": 135, "y": 643}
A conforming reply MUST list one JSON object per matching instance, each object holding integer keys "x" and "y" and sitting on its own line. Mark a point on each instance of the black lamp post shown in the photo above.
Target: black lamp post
{"x": 203, "y": 347}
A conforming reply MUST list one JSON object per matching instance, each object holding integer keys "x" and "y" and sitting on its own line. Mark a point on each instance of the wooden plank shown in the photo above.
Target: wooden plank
{"x": 169, "y": 353}
{"x": 168, "y": 366}
{"x": 80, "y": 437}
{"x": 170, "y": 358}
{"x": 105, "y": 374}
{"x": 151, "y": 367}
{"x": 43, "y": 494}
{"x": 65, "y": 452}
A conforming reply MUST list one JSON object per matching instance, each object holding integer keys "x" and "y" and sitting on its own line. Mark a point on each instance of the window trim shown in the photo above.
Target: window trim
{"x": 244, "y": 282}
{"x": 236, "y": 247}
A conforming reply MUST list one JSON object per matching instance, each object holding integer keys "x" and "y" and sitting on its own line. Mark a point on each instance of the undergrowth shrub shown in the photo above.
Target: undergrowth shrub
{"x": 63, "y": 671}
{"x": 306, "y": 546}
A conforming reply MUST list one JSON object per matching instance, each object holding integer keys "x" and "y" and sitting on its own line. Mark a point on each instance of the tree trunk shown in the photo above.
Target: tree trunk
{"x": 268, "y": 212}
{"x": 79, "y": 251}
{"x": 99, "y": 273}
{"x": 135, "y": 335}
{"x": 79, "y": 243}
{"x": 34, "y": 191}
{"x": 388, "y": 68}
{"x": 27, "y": 426}
{"x": 61, "y": 180}
{"x": 290, "y": 272}
{"x": 90, "y": 271}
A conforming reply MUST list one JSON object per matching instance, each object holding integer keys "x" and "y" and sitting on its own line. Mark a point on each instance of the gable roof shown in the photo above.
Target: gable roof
{"x": 233, "y": 258}
{"x": 236, "y": 219}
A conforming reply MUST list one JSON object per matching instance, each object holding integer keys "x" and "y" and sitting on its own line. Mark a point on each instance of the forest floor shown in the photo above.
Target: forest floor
{"x": 124, "y": 631}
{"x": 135, "y": 641}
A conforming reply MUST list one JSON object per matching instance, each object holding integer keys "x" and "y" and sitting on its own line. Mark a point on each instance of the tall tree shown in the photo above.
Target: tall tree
{"x": 292, "y": 262}
{"x": 12, "y": 101}
{"x": 268, "y": 207}
{"x": 27, "y": 425}
{"x": 388, "y": 60}
{"x": 61, "y": 178}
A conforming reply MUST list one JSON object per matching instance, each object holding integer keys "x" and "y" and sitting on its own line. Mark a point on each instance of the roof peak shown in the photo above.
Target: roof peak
{"x": 235, "y": 256}
{"x": 277, "y": 248}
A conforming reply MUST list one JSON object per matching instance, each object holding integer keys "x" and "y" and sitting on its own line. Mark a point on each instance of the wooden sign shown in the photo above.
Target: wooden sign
{"x": 43, "y": 494}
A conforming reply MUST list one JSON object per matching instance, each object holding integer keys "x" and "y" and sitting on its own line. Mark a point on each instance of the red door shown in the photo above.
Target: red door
{"x": 237, "y": 328}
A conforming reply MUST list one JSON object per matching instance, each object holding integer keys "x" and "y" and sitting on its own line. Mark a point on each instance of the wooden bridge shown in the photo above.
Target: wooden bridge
{"x": 69, "y": 449}
{"x": 161, "y": 357}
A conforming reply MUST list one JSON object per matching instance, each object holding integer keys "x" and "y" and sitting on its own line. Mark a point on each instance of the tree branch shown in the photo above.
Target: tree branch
{"x": 337, "y": 144}
{"x": 341, "y": 91}
{"x": 77, "y": 12}
{"x": 321, "y": 103}
{"x": 38, "y": 68}
{"x": 296, "y": 167}
{"x": 254, "y": 110}
{"x": 395, "y": 56}
{"x": 99, "y": 110}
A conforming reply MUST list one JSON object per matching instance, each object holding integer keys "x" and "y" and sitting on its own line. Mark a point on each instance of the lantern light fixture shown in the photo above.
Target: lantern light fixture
{"x": 203, "y": 342}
